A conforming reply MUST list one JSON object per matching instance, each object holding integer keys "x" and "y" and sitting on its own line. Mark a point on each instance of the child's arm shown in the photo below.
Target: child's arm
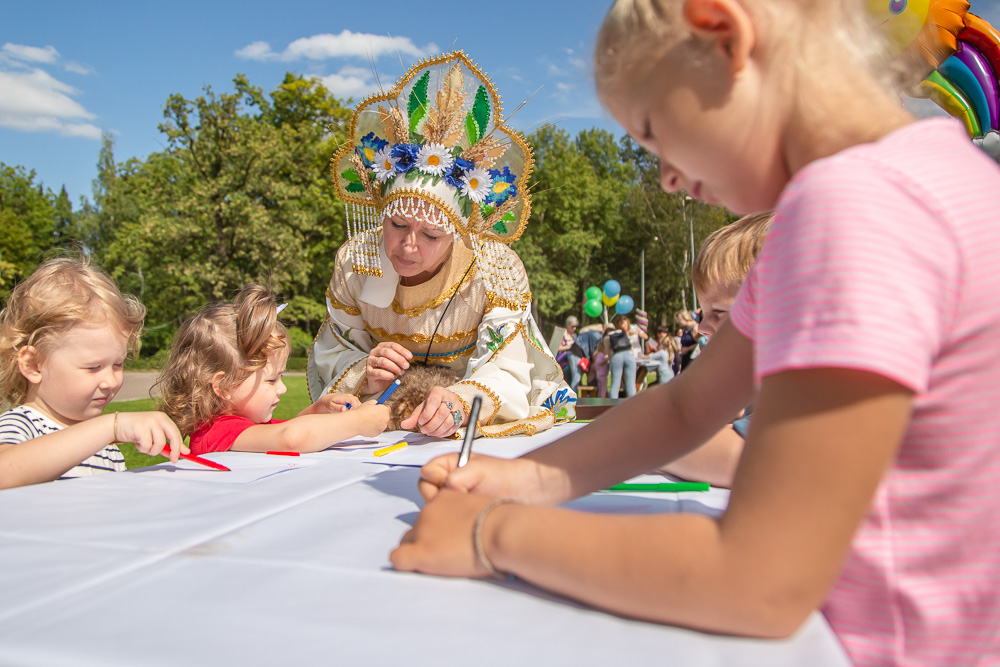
{"x": 332, "y": 403}
{"x": 821, "y": 441}
{"x": 713, "y": 462}
{"x": 314, "y": 432}
{"x": 48, "y": 457}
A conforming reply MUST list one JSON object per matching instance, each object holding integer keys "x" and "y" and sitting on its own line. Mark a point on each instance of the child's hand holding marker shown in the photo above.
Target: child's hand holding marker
{"x": 332, "y": 403}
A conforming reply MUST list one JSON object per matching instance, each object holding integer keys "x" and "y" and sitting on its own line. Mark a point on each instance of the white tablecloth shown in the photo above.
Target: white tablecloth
{"x": 139, "y": 569}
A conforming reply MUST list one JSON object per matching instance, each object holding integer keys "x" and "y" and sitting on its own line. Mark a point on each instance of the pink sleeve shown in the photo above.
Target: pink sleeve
{"x": 857, "y": 272}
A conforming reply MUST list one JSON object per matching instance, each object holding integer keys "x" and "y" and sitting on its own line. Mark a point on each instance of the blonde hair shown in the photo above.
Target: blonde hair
{"x": 816, "y": 41}
{"x": 725, "y": 257}
{"x": 61, "y": 294}
{"x": 235, "y": 339}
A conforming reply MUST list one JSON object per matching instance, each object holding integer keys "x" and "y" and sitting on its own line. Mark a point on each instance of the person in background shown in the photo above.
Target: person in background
{"x": 663, "y": 351}
{"x": 622, "y": 357}
{"x": 566, "y": 351}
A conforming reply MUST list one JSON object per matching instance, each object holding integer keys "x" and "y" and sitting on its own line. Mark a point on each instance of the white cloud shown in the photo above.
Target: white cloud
{"x": 345, "y": 45}
{"x": 256, "y": 51}
{"x": 354, "y": 82}
{"x": 34, "y": 101}
{"x": 31, "y": 54}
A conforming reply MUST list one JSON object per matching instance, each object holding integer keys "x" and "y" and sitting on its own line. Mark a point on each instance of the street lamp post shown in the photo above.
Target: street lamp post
{"x": 690, "y": 217}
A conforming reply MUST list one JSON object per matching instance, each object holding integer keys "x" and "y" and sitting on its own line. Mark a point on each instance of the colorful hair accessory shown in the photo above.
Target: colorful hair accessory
{"x": 435, "y": 147}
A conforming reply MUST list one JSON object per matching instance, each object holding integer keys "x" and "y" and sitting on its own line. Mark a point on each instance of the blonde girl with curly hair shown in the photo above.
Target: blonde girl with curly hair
{"x": 223, "y": 380}
{"x": 64, "y": 336}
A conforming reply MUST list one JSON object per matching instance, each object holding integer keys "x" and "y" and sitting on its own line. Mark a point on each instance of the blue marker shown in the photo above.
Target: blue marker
{"x": 388, "y": 392}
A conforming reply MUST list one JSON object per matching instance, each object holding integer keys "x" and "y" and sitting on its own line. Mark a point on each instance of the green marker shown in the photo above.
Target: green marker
{"x": 663, "y": 487}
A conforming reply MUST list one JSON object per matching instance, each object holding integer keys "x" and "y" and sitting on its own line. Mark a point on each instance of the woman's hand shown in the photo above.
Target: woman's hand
{"x": 440, "y": 415}
{"x": 386, "y": 362}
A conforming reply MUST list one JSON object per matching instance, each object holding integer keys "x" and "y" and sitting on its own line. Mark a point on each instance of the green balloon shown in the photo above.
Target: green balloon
{"x": 593, "y": 307}
{"x": 593, "y": 292}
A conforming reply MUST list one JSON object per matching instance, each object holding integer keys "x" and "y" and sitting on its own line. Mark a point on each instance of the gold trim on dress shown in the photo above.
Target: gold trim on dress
{"x": 447, "y": 358}
{"x": 521, "y": 426}
{"x": 495, "y": 301}
{"x": 486, "y": 390}
{"x": 436, "y": 301}
{"x": 350, "y": 310}
{"x": 336, "y": 385}
{"x": 419, "y": 337}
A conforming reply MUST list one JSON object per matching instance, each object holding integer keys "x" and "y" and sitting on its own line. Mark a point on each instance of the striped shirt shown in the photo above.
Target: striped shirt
{"x": 886, "y": 258}
{"x": 23, "y": 423}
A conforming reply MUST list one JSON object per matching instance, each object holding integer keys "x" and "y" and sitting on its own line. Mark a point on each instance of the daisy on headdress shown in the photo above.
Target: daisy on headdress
{"x": 434, "y": 159}
{"x": 477, "y": 185}
{"x": 384, "y": 164}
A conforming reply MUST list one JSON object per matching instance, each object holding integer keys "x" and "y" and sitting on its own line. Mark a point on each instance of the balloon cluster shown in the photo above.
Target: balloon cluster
{"x": 610, "y": 296}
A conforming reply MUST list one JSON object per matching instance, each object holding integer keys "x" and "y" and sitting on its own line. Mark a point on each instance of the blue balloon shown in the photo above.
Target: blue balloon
{"x": 612, "y": 289}
{"x": 624, "y": 305}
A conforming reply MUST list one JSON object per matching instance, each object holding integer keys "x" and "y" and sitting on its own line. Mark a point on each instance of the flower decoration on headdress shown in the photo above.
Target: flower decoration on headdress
{"x": 435, "y": 147}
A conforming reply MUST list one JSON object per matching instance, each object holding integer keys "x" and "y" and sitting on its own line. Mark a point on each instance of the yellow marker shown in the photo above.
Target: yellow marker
{"x": 390, "y": 449}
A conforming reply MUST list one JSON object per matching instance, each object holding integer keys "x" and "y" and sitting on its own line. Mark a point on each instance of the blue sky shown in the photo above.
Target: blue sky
{"x": 70, "y": 70}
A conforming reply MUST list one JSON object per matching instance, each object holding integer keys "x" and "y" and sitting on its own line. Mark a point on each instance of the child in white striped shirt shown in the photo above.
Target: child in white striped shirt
{"x": 64, "y": 335}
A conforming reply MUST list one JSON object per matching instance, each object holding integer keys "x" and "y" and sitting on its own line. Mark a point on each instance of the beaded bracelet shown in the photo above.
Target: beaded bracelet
{"x": 114, "y": 431}
{"x": 477, "y": 539}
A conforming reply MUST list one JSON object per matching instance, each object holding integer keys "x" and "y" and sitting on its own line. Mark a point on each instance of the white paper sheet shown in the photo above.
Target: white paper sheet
{"x": 244, "y": 468}
{"x": 420, "y": 448}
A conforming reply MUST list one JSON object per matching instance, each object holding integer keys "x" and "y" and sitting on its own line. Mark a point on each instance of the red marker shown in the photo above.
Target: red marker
{"x": 283, "y": 453}
{"x": 196, "y": 459}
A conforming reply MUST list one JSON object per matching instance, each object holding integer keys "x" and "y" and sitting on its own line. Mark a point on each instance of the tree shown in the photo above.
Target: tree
{"x": 34, "y": 224}
{"x": 239, "y": 195}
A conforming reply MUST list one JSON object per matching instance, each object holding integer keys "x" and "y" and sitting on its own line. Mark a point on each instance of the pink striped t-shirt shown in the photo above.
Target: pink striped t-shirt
{"x": 886, "y": 258}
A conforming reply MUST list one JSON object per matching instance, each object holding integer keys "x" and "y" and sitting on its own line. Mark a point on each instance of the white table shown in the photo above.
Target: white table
{"x": 135, "y": 569}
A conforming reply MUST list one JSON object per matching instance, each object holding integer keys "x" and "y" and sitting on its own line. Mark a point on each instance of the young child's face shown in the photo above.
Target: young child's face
{"x": 716, "y": 136}
{"x": 716, "y": 302}
{"x": 77, "y": 380}
{"x": 256, "y": 397}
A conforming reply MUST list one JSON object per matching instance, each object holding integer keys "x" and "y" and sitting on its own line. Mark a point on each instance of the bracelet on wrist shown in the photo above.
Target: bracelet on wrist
{"x": 477, "y": 539}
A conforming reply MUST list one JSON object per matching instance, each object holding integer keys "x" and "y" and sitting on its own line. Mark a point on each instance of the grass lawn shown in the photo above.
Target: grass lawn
{"x": 291, "y": 404}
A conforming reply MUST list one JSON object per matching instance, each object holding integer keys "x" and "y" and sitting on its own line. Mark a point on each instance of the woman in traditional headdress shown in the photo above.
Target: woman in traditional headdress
{"x": 435, "y": 188}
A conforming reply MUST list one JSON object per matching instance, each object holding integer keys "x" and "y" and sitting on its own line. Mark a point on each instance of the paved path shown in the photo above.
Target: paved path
{"x": 137, "y": 385}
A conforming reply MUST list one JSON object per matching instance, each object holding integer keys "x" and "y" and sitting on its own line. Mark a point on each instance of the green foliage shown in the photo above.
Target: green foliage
{"x": 35, "y": 224}
{"x": 240, "y": 193}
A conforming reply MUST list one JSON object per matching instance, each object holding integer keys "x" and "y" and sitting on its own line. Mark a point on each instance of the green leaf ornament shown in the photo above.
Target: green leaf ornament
{"x": 481, "y": 110}
{"x": 417, "y": 107}
{"x": 471, "y": 128}
{"x": 351, "y": 176}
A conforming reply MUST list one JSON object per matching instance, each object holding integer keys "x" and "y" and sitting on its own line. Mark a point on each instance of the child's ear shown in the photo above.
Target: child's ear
{"x": 217, "y": 386}
{"x": 29, "y": 363}
{"x": 727, "y": 24}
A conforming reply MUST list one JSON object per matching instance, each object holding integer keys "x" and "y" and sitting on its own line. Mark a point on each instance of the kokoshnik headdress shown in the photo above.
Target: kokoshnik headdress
{"x": 435, "y": 148}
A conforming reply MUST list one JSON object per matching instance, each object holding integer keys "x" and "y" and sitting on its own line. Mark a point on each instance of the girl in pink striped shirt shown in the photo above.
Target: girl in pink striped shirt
{"x": 867, "y": 330}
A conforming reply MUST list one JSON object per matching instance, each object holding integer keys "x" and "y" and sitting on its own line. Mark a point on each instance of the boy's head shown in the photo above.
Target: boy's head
{"x": 61, "y": 294}
{"x": 722, "y": 264}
